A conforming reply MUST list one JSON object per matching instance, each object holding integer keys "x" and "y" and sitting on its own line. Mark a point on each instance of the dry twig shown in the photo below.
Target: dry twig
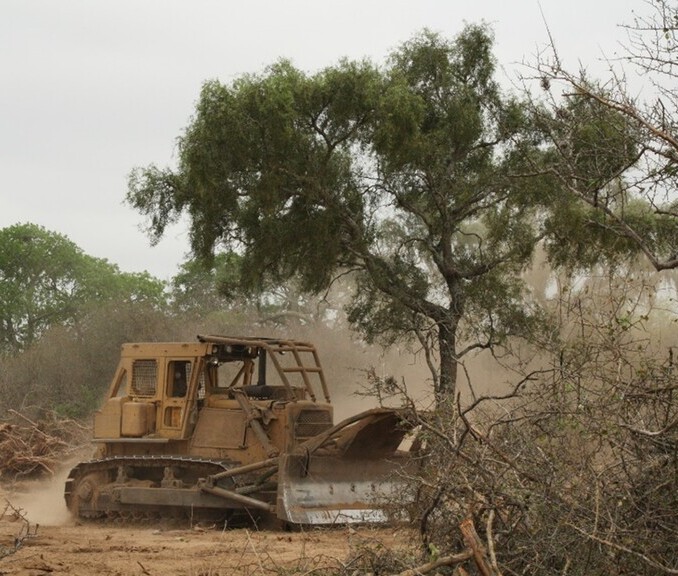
{"x": 17, "y": 514}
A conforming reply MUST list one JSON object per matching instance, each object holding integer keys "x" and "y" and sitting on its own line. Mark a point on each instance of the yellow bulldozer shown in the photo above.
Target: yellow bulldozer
{"x": 229, "y": 426}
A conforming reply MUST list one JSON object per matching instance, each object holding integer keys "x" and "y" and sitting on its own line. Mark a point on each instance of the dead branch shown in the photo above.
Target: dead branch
{"x": 477, "y": 548}
{"x": 444, "y": 561}
{"x": 649, "y": 561}
{"x": 490, "y": 541}
{"x": 17, "y": 514}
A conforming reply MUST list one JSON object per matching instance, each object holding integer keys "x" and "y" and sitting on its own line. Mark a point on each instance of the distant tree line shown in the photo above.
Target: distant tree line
{"x": 64, "y": 315}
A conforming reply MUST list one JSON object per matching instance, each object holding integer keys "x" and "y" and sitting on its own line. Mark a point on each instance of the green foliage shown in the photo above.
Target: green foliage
{"x": 614, "y": 167}
{"x": 403, "y": 175}
{"x": 200, "y": 288}
{"x": 46, "y": 280}
{"x": 601, "y": 142}
{"x": 580, "y": 236}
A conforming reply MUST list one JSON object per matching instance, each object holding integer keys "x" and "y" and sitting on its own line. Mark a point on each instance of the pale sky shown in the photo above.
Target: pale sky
{"x": 90, "y": 89}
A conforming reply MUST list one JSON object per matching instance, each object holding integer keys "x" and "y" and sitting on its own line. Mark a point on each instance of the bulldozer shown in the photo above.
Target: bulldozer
{"x": 232, "y": 427}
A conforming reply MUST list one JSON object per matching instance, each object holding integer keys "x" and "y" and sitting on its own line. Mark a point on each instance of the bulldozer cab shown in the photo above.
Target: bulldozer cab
{"x": 265, "y": 368}
{"x": 160, "y": 389}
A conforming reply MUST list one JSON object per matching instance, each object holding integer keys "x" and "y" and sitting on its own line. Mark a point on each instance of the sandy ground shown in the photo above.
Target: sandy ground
{"x": 99, "y": 550}
{"x": 64, "y": 546}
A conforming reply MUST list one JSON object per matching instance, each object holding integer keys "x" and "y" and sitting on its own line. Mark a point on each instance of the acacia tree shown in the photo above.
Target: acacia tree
{"x": 211, "y": 289}
{"x": 400, "y": 175}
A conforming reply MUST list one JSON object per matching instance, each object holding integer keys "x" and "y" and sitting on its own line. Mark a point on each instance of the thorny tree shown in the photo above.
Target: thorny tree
{"x": 636, "y": 205}
{"x": 399, "y": 175}
{"x": 574, "y": 471}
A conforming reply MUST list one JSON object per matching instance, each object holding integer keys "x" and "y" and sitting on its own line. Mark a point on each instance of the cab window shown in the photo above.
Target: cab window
{"x": 178, "y": 377}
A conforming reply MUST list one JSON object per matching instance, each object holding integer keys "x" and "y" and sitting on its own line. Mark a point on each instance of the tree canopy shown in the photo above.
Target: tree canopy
{"x": 45, "y": 280}
{"x": 402, "y": 175}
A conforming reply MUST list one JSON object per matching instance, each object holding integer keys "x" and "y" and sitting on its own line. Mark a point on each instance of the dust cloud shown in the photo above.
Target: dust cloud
{"x": 42, "y": 501}
{"x": 347, "y": 361}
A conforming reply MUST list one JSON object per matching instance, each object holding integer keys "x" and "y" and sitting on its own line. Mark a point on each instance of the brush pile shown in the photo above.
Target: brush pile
{"x": 34, "y": 449}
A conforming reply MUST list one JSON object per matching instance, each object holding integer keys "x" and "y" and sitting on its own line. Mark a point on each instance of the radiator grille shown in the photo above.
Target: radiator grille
{"x": 310, "y": 423}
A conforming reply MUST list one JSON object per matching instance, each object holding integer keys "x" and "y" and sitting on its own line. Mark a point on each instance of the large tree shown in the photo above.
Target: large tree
{"x": 402, "y": 175}
{"x": 46, "y": 280}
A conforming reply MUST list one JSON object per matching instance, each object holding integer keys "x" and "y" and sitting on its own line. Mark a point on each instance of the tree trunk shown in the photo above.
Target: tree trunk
{"x": 447, "y": 340}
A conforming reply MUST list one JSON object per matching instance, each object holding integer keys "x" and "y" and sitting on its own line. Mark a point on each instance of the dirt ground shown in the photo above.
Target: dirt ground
{"x": 56, "y": 544}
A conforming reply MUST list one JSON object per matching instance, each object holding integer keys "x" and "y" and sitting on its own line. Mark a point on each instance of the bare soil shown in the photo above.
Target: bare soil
{"x": 57, "y": 544}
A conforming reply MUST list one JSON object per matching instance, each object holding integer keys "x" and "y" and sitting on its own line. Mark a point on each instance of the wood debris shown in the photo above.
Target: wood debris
{"x": 30, "y": 449}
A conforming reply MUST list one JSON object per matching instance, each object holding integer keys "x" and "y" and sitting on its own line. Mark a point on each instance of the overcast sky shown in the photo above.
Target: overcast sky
{"x": 90, "y": 89}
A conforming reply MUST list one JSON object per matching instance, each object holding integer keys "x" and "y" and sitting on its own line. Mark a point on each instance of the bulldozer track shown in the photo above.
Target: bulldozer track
{"x": 109, "y": 469}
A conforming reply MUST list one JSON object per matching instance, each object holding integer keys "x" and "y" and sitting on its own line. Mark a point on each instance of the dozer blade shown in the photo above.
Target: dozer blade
{"x": 350, "y": 474}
